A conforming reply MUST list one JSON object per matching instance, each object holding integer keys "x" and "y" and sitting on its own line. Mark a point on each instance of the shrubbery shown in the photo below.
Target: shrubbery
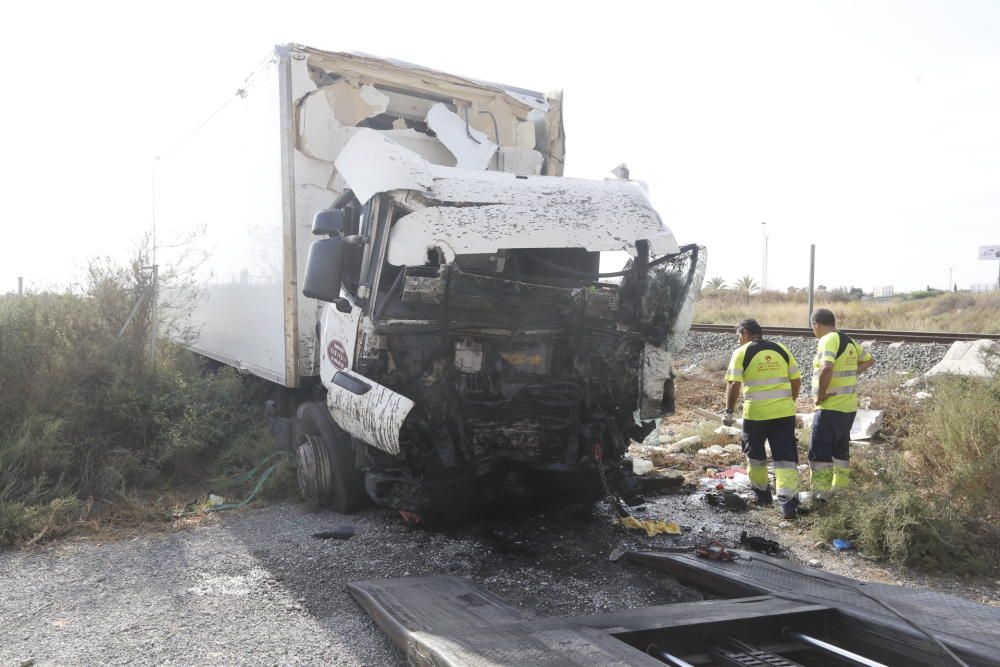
{"x": 933, "y": 501}
{"x": 87, "y": 422}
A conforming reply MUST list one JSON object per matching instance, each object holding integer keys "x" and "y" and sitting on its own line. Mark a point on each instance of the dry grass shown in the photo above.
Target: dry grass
{"x": 932, "y": 499}
{"x": 958, "y": 311}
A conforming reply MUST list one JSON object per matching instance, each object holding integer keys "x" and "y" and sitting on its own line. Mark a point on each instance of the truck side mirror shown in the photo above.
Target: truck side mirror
{"x": 324, "y": 270}
{"x": 329, "y": 222}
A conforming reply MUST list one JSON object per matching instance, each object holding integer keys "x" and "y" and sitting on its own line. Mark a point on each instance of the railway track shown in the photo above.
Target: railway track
{"x": 861, "y": 334}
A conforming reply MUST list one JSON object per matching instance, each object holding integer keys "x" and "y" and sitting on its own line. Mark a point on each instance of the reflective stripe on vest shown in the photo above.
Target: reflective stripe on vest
{"x": 769, "y": 393}
{"x": 837, "y": 391}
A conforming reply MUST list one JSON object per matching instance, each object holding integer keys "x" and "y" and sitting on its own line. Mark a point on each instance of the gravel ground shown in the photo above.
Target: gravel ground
{"x": 903, "y": 359}
{"x": 255, "y": 588}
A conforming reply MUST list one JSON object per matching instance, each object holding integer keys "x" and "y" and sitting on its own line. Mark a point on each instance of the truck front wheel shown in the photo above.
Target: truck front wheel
{"x": 325, "y": 462}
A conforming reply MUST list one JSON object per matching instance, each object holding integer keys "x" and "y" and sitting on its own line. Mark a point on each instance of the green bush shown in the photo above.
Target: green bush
{"x": 86, "y": 418}
{"x": 934, "y": 502}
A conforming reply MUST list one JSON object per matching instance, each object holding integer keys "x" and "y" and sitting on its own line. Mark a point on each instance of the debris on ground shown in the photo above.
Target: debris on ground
{"x": 714, "y": 551}
{"x": 967, "y": 357}
{"x": 842, "y": 545}
{"x": 730, "y": 500}
{"x": 337, "y": 533}
{"x": 867, "y": 424}
{"x": 660, "y": 481}
{"x": 651, "y": 527}
{"x": 760, "y": 544}
{"x": 641, "y": 466}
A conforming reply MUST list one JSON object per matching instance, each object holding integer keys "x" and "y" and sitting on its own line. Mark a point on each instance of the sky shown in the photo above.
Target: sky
{"x": 871, "y": 129}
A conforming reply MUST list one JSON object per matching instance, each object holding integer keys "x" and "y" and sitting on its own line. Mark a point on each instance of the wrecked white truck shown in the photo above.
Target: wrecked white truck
{"x": 452, "y": 339}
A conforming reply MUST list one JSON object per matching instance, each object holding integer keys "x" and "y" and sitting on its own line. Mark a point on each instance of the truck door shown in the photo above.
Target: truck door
{"x": 339, "y": 324}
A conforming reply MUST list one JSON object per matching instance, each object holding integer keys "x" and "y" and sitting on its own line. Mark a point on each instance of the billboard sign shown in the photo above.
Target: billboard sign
{"x": 989, "y": 252}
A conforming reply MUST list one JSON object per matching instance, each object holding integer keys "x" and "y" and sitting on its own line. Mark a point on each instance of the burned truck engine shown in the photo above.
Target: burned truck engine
{"x": 473, "y": 351}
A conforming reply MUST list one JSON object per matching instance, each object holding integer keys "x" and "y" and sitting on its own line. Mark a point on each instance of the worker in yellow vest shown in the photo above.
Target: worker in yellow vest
{"x": 770, "y": 380}
{"x": 835, "y": 378}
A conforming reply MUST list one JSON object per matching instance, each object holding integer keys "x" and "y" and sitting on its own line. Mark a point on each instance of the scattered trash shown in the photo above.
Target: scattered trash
{"x": 338, "y": 533}
{"x": 652, "y": 527}
{"x": 761, "y": 544}
{"x": 714, "y": 551}
{"x": 214, "y": 500}
{"x": 641, "y": 466}
{"x": 733, "y": 449}
{"x": 842, "y": 545}
{"x": 866, "y": 424}
{"x": 684, "y": 443}
{"x": 814, "y": 562}
{"x": 922, "y": 395}
{"x": 728, "y": 499}
{"x": 729, "y": 473}
{"x": 785, "y": 524}
{"x": 728, "y": 430}
{"x": 658, "y": 481}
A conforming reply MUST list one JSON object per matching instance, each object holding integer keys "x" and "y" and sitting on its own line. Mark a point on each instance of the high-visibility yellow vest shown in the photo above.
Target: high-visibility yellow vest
{"x": 845, "y": 355}
{"x": 766, "y": 370}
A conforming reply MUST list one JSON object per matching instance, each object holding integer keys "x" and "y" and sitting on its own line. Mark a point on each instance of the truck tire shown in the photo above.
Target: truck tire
{"x": 325, "y": 462}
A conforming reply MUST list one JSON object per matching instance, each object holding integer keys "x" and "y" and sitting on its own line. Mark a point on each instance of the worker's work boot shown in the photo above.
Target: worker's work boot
{"x": 763, "y": 497}
{"x": 789, "y": 507}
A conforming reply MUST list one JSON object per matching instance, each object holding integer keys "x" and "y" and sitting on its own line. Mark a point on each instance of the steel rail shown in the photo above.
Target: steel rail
{"x": 860, "y": 334}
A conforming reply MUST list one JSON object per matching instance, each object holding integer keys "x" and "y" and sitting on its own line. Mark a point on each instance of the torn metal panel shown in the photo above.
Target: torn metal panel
{"x": 320, "y": 135}
{"x": 503, "y": 113}
{"x": 472, "y": 148}
{"x": 375, "y": 416}
{"x": 366, "y": 67}
{"x": 371, "y": 163}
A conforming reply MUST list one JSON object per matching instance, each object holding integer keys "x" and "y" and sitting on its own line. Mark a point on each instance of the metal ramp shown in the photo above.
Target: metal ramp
{"x": 972, "y": 630}
{"x": 449, "y": 621}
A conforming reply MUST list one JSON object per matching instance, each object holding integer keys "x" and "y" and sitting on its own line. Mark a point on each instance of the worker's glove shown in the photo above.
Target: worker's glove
{"x": 728, "y": 420}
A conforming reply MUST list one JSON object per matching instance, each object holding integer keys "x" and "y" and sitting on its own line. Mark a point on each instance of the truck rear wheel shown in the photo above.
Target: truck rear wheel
{"x": 325, "y": 462}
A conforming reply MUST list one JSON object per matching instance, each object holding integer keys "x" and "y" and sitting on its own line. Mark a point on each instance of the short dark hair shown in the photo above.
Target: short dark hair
{"x": 825, "y": 317}
{"x": 751, "y": 326}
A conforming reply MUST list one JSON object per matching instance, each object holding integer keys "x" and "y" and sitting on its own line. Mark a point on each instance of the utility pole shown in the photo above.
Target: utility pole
{"x": 812, "y": 276}
{"x": 763, "y": 273}
{"x": 20, "y": 285}
{"x": 153, "y": 314}
{"x": 949, "y": 287}
{"x": 153, "y": 318}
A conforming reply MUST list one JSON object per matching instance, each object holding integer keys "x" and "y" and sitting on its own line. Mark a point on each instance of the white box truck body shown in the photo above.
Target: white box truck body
{"x": 453, "y": 325}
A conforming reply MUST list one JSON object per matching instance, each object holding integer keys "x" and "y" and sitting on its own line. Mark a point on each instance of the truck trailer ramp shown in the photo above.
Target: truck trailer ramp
{"x": 800, "y": 619}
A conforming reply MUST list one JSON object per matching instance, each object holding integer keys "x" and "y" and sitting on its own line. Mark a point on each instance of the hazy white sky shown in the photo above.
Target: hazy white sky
{"x": 869, "y": 128}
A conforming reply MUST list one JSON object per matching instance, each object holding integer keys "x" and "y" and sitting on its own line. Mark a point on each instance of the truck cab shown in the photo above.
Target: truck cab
{"x": 471, "y": 349}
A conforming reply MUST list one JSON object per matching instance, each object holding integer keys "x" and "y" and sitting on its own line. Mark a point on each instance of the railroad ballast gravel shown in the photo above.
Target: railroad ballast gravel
{"x": 900, "y": 360}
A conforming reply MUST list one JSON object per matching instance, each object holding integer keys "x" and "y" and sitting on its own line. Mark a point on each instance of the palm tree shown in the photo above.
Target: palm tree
{"x": 716, "y": 283}
{"x": 745, "y": 286}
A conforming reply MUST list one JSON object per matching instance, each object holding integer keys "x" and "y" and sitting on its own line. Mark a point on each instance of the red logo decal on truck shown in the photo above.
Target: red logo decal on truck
{"x": 337, "y": 355}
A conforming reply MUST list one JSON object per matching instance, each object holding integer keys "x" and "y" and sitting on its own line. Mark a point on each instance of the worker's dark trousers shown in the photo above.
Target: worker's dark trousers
{"x": 780, "y": 434}
{"x": 829, "y": 451}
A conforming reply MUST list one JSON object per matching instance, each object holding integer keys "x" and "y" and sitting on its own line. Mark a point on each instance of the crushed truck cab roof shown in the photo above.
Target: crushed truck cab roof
{"x": 462, "y": 211}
